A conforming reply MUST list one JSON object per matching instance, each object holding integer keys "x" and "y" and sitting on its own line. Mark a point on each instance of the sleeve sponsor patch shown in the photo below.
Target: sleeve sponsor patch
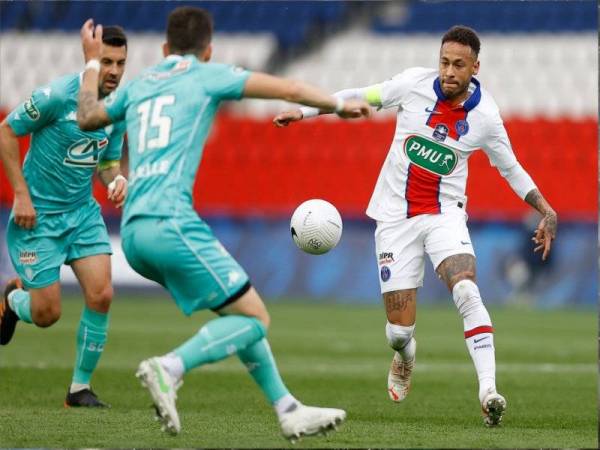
{"x": 31, "y": 109}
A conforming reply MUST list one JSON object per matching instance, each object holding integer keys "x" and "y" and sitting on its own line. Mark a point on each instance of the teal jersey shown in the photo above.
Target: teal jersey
{"x": 169, "y": 110}
{"x": 62, "y": 158}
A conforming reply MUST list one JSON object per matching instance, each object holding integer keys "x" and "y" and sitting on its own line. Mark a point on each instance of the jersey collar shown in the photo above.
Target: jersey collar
{"x": 470, "y": 103}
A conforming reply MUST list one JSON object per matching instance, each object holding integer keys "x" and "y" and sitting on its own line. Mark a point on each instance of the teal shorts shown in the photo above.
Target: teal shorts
{"x": 37, "y": 254}
{"x": 183, "y": 255}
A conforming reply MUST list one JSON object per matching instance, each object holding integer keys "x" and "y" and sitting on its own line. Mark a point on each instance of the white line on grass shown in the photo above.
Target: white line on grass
{"x": 349, "y": 368}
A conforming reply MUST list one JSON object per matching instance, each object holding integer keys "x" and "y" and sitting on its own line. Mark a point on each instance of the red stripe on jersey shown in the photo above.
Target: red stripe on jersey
{"x": 447, "y": 115}
{"x": 478, "y": 330}
{"x": 422, "y": 192}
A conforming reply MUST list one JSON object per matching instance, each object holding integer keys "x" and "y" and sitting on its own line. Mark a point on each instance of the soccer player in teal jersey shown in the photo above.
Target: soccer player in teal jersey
{"x": 55, "y": 220}
{"x": 169, "y": 109}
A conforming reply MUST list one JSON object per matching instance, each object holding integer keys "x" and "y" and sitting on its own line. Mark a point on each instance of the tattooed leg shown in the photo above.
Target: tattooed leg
{"x": 458, "y": 272}
{"x": 401, "y": 306}
{"x": 456, "y": 268}
{"x": 401, "y": 310}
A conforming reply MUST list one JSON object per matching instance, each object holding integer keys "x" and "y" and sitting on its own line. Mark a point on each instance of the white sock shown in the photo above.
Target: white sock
{"x": 10, "y": 296}
{"x": 479, "y": 335}
{"x": 408, "y": 351}
{"x": 285, "y": 404}
{"x": 173, "y": 364}
{"x": 76, "y": 387}
{"x": 400, "y": 338}
{"x": 481, "y": 349}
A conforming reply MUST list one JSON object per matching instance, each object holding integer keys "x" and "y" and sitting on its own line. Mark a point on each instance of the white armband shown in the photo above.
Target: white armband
{"x": 308, "y": 112}
{"x": 342, "y": 96}
{"x": 113, "y": 184}
{"x": 519, "y": 180}
{"x": 93, "y": 64}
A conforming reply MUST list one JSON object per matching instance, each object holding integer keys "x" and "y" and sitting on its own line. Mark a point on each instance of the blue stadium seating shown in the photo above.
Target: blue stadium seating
{"x": 290, "y": 21}
{"x": 486, "y": 16}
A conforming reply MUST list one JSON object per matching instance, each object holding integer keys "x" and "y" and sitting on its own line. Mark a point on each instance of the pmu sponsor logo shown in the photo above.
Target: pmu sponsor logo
{"x": 386, "y": 258}
{"x": 85, "y": 152}
{"x": 430, "y": 155}
{"x": 27, "y": 257}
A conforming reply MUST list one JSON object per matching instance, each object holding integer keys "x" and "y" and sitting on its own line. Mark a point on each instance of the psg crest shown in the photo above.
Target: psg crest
{"x": 462, "y": 127}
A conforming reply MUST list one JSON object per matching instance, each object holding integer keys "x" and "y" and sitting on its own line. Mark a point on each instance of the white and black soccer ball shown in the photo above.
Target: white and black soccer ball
{"x": 316, "y": 226}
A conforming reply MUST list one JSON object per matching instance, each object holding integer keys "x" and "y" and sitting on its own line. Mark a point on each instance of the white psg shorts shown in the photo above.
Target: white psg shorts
{"x": 401, "y": 246}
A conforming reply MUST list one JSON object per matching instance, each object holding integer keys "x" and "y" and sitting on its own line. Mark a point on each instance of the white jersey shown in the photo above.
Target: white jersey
{"x": 425, "y": 171}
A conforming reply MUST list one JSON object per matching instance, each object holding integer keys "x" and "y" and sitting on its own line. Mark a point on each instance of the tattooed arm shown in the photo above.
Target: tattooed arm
{"x": 91, "y": 114}
{"x": 546, "y": 230}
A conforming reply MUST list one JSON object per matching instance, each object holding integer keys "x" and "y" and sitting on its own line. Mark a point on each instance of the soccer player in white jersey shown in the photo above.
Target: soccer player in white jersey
{"x": 419, "y": 201}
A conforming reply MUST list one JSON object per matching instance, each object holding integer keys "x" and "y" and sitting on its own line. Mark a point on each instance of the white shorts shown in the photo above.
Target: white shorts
{"x": 401, "y": 246}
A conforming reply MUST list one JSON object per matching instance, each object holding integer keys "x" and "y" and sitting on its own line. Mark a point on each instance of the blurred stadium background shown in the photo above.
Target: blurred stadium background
{"x": 539, "y": 60}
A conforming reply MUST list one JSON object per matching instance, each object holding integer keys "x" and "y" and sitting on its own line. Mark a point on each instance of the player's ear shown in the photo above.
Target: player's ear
{"x": 165, "y": 49}
{"x": 476, "y": 67}
{"x": 206, "y": 53}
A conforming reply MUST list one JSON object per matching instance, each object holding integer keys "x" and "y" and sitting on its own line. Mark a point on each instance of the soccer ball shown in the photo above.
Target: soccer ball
{"x": 316, "y": 226}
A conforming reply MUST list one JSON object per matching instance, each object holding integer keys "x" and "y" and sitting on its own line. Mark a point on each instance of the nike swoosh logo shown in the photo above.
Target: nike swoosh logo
{"x": 479, "y": 340}
{"x": 465, "y": 242}
{"x": 432, "y": 111}
{"x": 161, "y": 382}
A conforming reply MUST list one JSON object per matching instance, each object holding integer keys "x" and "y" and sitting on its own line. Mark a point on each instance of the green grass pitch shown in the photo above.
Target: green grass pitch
{"x": 330, "y": 355}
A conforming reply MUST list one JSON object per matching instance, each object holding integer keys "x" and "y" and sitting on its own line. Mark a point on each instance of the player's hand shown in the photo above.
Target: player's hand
{"x": 285, "y": 118}
{"x": 545, "y": 234}
{"x": 354, "y": 109}
{"x": 117, "y": 190}
{"x": 24, "y": 212}
{"x": 91, "y": 40}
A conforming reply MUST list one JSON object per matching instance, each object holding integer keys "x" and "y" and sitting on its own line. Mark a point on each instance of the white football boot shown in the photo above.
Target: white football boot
{"x": 399, "y": 377}
{"x": 163, "y": 390}
{"x": 493, "y": 406}
{"x": 309, "y": 421}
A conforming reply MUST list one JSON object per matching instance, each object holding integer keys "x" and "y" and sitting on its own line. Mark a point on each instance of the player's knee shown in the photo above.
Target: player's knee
{"x": 264, "y": 318}
{"x": 46, "y": 314}
{"x": 398, "y": 336}
{"x": 100, "y": 299}
{"x": 466, "y": 297}
{"x": 461, "y": 276}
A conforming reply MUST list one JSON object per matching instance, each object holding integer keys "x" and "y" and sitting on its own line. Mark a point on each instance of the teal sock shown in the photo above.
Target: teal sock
{"x": 259, "y": 360}
{"x": 91, "y": 337}
{"x": 220, "y": 338}
{"x": 20, "y": 302}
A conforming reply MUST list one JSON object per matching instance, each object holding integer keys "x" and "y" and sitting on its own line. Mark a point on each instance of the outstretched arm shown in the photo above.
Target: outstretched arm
{"x": 261, "y": 85}
{"x": 545, "y": 232}
{"x": 91, "y": 113}
{"x": 370, "y": 94}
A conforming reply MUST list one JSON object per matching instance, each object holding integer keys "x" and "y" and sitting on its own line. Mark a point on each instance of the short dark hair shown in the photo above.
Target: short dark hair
{"x": 114, "y": 35}
{"x": 189, "y": 30}
{"x": 463, "y": 35}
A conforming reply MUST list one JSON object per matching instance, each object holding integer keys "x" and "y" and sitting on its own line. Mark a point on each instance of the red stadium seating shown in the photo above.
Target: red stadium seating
{"x": 252, "y": 168}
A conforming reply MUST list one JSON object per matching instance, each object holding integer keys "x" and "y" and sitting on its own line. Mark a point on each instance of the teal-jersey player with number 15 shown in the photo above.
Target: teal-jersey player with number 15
{"x": 169, "y": 109}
